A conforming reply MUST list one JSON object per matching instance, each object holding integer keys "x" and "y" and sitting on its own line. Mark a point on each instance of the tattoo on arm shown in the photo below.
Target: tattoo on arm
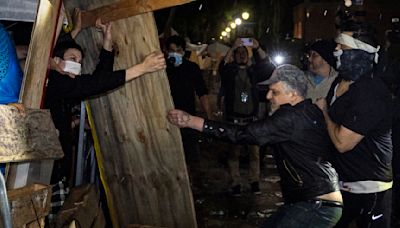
{"x": 185, "y": 118}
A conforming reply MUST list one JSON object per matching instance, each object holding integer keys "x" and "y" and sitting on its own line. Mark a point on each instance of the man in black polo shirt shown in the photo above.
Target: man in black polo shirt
{"x": 359, "y": 125}
{"x": 186, "y": 81}
{"x": 297, "y": 133}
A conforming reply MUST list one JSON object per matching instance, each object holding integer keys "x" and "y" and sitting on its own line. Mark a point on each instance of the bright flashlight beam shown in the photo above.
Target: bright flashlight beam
{"x": 278, "y": 59}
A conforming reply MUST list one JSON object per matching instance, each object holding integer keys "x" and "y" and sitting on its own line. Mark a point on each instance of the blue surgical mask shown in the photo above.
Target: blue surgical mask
{"x": 175, "y": 58}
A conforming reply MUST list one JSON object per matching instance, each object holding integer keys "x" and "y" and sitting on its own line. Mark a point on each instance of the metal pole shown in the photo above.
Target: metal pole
{"x": 79, "y": 157}
{"x": 4, "y": 206}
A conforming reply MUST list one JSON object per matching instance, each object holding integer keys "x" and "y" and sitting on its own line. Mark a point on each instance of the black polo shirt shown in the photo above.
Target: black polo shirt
{"x": 365, "y": 109}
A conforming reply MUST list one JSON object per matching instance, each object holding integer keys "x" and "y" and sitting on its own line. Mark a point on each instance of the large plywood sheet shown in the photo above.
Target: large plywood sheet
{"x": 141, "y": 154}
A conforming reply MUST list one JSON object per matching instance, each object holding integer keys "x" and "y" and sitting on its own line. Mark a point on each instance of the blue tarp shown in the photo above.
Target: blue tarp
{"x": 10, "y": 71}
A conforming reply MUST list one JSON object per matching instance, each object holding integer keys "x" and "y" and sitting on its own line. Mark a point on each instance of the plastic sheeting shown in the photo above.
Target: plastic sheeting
{"x": 18, "y": 10}
{"x": 10, "y": 71}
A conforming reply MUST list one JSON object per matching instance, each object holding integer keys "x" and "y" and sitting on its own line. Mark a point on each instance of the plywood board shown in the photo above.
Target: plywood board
{"x": 141, "y": 155}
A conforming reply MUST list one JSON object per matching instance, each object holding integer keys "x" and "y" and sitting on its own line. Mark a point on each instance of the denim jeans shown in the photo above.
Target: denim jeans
{"x": 304, "y": 214}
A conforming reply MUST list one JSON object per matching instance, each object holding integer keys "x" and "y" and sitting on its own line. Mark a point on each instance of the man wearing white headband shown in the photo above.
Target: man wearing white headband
{"x": 358, "y": 117}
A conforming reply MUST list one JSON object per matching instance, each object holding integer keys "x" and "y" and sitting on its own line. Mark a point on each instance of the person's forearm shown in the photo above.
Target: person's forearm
{"x": 134, "y": 72}
{"x": 228, "y": 56}
{"x": 333, "y": 130}
{"x": 261, "y": 53}
{"x": 75, "y": 33}
{"x": 206, "y": 105}
{"x": 107, "y": 45}
{"x": 196, "y": 123}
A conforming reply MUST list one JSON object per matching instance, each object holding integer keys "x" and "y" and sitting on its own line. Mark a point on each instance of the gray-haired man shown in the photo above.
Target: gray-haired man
{"x": 297, "y": 133}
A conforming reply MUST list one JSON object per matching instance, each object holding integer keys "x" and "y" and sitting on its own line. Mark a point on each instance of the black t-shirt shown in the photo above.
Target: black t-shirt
{"x": 185, "y": 82}
{"x": 365, "y": 109}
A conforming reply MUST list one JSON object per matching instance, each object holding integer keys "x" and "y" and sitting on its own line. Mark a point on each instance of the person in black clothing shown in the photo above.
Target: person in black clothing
{"x": 241, "y": 103}
{"x": 302, "y": 149}
{"x": 388, "y": 69}
{"x": 186, "y": 81}
{"x": 65, "y": 88}
{"x": 359, "y": 120}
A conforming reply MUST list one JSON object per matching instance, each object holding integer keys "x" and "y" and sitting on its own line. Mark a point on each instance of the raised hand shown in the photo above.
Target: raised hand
{"x": 107, "y": 36}
{"x": 77, "y": 22}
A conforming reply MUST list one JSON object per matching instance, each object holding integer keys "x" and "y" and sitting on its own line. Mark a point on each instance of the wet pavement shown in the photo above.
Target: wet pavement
{"x": 215, "y": 206}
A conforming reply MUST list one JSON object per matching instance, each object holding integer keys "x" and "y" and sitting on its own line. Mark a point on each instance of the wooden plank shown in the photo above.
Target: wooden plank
{"x": 126, "y": 8}
{"x": 29, "y": 204}
{"x": 82, "y": 205}
{"x": 26, "y": 138}
{"x": 141, "y": 159}
{"x": 43, "y": 35}
{"x": 42, "y": 40}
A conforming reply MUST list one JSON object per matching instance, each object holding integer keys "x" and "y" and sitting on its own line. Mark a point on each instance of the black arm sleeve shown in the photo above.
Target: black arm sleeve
{"x": 275, "y": 129}
{"x": 102, "y": 80}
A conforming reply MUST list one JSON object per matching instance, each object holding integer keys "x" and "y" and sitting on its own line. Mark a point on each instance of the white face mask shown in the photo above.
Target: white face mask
{"x": 337, "y": 54}
{"x": 72, "y": 67}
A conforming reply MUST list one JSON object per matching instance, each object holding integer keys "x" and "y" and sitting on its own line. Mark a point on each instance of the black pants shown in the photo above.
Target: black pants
{"x": 368, "y": 210}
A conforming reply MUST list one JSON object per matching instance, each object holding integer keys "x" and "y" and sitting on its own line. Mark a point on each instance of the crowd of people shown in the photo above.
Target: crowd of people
{"x": 333, "y": 129}
{"x": 330, "y": 129}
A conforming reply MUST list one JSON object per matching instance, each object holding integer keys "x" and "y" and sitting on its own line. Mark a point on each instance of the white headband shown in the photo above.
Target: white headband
{"x": 357, "y": 44}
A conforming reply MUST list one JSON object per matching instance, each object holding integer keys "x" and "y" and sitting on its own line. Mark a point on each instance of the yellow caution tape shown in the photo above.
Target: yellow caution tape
{"x": 100, "y": 163}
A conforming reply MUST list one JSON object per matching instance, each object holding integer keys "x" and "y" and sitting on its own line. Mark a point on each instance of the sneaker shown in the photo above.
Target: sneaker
{"x": 235, "y": 191}
{"x": 255, "y": 188}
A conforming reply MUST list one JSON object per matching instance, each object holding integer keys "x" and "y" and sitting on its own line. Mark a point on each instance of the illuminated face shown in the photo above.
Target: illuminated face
{"x": 73, "y": 54}
{"x": 278, "y": 95}
{"x": 241, "y": 56}
{"x": 316, "y": 62}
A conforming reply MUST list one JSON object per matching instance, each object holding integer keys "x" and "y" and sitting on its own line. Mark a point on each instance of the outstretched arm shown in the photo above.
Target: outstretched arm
{"x": 153, "y": 62}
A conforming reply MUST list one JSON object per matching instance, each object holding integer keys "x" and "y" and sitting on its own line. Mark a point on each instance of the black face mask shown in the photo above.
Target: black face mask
{"x": 355, "y": 63}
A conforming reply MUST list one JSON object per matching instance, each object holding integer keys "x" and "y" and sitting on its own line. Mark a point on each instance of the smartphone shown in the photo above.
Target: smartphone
{"x": 247, "y": 41}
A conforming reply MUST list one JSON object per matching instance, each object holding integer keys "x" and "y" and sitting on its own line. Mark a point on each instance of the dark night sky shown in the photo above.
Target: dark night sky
{"x": 213, "y": 16}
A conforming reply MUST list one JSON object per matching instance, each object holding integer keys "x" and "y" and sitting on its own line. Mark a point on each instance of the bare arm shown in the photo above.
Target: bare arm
{"x": 77, "y": 23}
{"x": 182, "y": 119}
{"x": 343, "y": 138}
{"x": 153, "y": 62}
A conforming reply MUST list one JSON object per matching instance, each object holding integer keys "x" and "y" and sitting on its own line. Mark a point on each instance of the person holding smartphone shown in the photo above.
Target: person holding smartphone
{"x": 239, "y": 81}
